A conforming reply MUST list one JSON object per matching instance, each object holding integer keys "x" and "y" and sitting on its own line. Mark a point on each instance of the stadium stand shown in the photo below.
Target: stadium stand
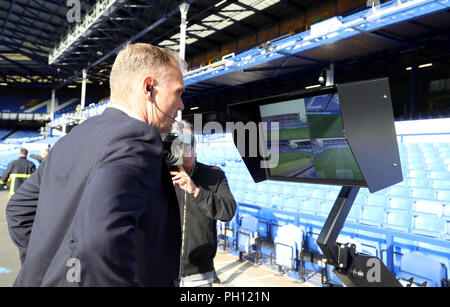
{"x": 411, "y": 218}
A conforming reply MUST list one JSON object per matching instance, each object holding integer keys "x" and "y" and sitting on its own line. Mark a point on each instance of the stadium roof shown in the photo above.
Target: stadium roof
{"x": 34, "y": 33}
{"x": 360, "y": 46}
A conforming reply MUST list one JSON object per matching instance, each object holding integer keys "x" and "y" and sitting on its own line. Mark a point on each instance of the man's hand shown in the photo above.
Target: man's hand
{"x": 182, "y": 179}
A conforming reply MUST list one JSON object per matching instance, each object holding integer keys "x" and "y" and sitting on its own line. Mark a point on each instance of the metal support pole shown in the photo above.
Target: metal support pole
{"x": 184, "y": 7}
{"x": 335, "y": 222}
{"x": 414, "y": 73}
{"x": 330, "y": 75}
{"x": 83, "y": 89}
{"x": 52, "y": 106}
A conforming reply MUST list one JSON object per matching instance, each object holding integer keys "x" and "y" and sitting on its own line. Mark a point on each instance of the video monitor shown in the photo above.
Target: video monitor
{"x": 310, "y": 140}
{"x": 342, "y": 135}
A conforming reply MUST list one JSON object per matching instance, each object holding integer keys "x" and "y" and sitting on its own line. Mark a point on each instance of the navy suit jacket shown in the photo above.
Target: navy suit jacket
{"x": 101, "y": 210}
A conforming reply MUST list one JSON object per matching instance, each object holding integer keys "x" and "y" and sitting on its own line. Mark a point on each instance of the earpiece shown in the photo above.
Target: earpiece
{"x": 149, "y": 87}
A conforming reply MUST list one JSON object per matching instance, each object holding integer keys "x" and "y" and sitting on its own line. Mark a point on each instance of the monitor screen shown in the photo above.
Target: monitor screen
{"x": 308, "y": 136}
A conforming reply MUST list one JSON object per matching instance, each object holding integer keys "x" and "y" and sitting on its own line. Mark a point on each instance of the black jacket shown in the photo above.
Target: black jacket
{"x": 214, "y": 202}
{"x": 89, "y": 201}
{"x": 20, "y": 166}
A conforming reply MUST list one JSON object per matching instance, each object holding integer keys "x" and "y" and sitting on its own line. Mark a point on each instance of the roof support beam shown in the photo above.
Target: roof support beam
{"x": 7, "y": 17}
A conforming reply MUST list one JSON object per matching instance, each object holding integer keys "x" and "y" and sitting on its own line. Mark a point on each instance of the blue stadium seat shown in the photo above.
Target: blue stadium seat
{"x": 399, "y": 191}
{"x": 418, "y": 183}
{"x": 400, "y": 203}
{"x": 417, "y": 174}
{"x": 423, "y": 268}
{"x": 238, "y": 195}
{"x": 278, "y": 201}
{"x": 418, "y": 166}
{"x": 442, "y": 175}
{"x": 429, "y": 207}
{"x": 247, "y": 234}
{"x": 319, "y": 194}
{"x": 311, "y": 206}
{"x": 399, "y": 220}
{"x": 288, "y": 245}
{"x": 440, "y": 184}
{"x": 376, "y": 200}
{"x": 275, "y": 188}
{"x": 435, "y": 166}
{"x": 428, "y": 225}
{"x": 303, "y": 193}
{"x": 325, "y": 208}
{"x": 293, "y": 204}
{"x": 372, "y": 216}
{"x": 419, "y": 193}
{"x": 360, "y": 199}
{"x": 262, "y": 199}
{"x": 250, "y": 197}
{"x": 288, "y": 190}
{"x": 355, "y": 214}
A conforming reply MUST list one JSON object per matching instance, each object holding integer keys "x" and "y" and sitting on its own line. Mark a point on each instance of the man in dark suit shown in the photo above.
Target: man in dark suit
{"x": 101, "y": 209}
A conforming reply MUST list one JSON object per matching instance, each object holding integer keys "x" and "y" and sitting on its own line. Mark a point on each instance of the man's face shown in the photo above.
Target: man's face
{"x": 167, "y": 97}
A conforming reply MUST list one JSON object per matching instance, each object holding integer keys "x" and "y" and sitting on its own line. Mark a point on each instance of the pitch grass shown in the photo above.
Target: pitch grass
{"x": 333, "y": 159}
{"x": 291, "y": 134}
{"x": 290, "y": 162}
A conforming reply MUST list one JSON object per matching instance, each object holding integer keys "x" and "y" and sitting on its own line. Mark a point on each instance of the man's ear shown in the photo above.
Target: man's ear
{"x": 147, "y": 87}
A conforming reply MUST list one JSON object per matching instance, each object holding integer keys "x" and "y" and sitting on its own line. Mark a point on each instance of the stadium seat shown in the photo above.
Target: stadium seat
{"x": 441, "y": 175}
{"x": 288, "y": 190}
{"x": 325, "y": 208}
{"x": 372, "y": 216}
{"x": 435, "y": 166}
{"x": 440, "y": 184}
{"x": 311, "y": 206}
{"x": 288, "y": 245}
{"x": 376, "y": 200}
{"x": 399, "y": 191}
{"x": 360, "y": 199}
{"x": 418, "y": 166}
{"x": 250, "y": 197}
{"x": 400, "y": 203}
{"x": 262, "y": 199}
{"x": 247, "y": 234}
{"x": 417, "y": 174}
{"x": 423, "y": 268}
{"x": 319, "y": 194}
{"x": 418, "y": 183}
{"x": 293, "y": 204}
{"x": 399, "y": 220}
{"x": 419, "y": 193}
{"x": 303, "y": 193}
{"x": 428, "y": 225}
{"x": 429, "y": 207}
{"x": 355, "y": 214}
{"x": 278, "y": 201}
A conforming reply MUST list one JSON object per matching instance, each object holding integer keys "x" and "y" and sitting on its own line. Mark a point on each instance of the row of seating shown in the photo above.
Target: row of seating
{"x": 419, "y": 206}
{"x": 295, "y": 249}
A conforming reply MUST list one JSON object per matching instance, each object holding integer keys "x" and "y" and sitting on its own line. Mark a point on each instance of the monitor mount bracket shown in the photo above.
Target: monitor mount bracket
{"x": 352, "y": 268}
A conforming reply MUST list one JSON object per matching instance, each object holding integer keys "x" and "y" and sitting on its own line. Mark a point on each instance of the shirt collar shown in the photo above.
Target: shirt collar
{"x": 194, "y": 169}
{"x": 125, "y": 110}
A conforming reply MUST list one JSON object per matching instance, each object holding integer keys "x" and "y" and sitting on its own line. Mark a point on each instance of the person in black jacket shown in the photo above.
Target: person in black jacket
{"x": 86, "y": 216}
{"x": 204, "y": 198}
{"x": 19, "y": 170}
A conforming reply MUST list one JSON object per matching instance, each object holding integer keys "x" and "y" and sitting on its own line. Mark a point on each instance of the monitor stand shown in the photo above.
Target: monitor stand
{"x": 352, "y": 268}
